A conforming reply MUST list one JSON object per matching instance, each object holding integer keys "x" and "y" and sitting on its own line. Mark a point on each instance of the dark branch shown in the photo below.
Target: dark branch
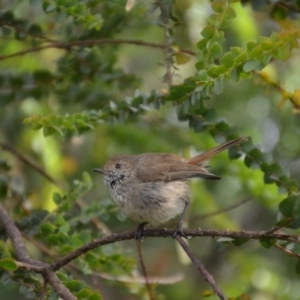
{"x": 287, "y": 5}
{"x": 208, "y": 277}
{"x": 144, "y": 270}
{"x": 28, "y": 263}
{"x": 124, "y": 236}
{"x": 54, "y": 281}
{"x": 16, "y": 238}
{"x": 62, "y": 45}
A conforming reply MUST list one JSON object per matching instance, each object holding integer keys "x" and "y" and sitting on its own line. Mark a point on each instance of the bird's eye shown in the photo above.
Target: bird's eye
{"x": 118, "y": 166}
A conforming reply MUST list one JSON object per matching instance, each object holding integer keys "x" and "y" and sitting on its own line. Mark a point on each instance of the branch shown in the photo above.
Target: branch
{"x": 286, "y": 95}
{"x": 287, "y": 251}
{"x": 29, "y": 162}
{"x": 144, "y": 270}
{"x": 28, "y": 263}
{"x": 125, "y": 236}
{"x": 16, "y": 239}
{"x": 68, "y": 45}
{"x": 220, "y": 211}
{"x": 286, "y": 5}
{"x": 165, "y": 11}
{"x": 55, "y": 282}
{"x": 208, "y": 277}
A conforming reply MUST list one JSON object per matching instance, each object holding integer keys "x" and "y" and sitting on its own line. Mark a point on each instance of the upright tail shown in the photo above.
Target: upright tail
{"x": 204, "y": 157}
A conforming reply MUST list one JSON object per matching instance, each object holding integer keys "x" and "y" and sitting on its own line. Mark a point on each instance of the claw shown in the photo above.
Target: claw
{"x": 179, "y": 231}
{"x": 139, "y": 232}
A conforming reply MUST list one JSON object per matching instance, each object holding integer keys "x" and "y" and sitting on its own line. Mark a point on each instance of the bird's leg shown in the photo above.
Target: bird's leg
{"x": 139, "y": 232}
{"x": 179, "y": 229}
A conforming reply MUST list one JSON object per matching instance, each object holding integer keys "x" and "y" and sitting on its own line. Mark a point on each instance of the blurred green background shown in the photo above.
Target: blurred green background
{"x": 69, "y": 80}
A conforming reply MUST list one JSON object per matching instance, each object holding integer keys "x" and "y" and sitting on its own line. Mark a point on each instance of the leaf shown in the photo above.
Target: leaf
{"x": 95, "y": 296}
{"x": 290, "y": 206}
{"x": 182, "y": 58}
{"x": 8, "y": 264}
{"x": 207, "y": 294}
{"x": 47, "y": 228}
{"x": 240, "y": 241}
{"x": 267, "y": 242}
{"x": 251, "y": 65}
{"x": 208, "y": 32}
{"x": 215, "y": 50}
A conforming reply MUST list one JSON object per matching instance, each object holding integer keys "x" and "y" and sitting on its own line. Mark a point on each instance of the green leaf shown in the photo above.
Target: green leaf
{"x": 83, "y": 293}
{"x": 218, "y": 6}
{"x": 290, "y": 206}
{"x": 57, "y": 198}
{"x": 251, "y": 65}
{"x": 218, "y": 88}
{"x": 267, "y": 243}
{"x": 215, "y": 50}
{"x": 47, "y": 228}
{"x": 207, "y": 294}
{"x": 52, "y": 239}
{"x": 208, "y": 32}
{"x": 227, "y": 59}
{"x": 8, "y": 264}
{"x": 95, "y": 296}
{"x": 240, "y": 241}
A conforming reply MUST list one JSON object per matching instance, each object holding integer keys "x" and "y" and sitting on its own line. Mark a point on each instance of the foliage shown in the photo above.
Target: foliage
{"x": 81, "y": 81}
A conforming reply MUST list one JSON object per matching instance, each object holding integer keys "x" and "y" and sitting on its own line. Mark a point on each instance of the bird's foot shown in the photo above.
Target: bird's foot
{"x": 139, "y": 232}
{"x": 179, "y": 231}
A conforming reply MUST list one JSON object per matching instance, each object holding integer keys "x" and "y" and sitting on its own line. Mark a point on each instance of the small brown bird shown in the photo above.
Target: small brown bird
{"x": 152, "y": 188}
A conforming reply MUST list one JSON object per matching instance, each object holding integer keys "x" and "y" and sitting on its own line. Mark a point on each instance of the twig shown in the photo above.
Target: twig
{"x": 68, "y": 45}
{"x": 208, "y": 277}
{"x": 286, "y": 5}
{"x": 28, "y": 263}
{"x": 220, "y": 211}
{"x": 61, "y": 290}
{"x": 16, "y": 238}
{"x": 124, "y": 236}
{"x": 286, "y": 95}
{"x": 144, "y": 270}
{"x": 287, "y": 251}
{"x": 165, "y": 11}
{"x": 277, "y": 228}
{"x": 29, "y": 162}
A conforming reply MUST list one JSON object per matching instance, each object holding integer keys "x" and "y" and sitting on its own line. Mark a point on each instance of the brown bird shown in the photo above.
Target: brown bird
{"x": 152, "y": 188}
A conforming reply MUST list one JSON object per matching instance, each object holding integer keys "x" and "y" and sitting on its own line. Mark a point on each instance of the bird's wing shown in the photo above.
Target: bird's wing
{"x": 168, "y": 167}
{"x": 184, "y": 171}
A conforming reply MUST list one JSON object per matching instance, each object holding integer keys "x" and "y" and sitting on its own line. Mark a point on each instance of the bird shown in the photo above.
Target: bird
{"x": 152, "y": 188}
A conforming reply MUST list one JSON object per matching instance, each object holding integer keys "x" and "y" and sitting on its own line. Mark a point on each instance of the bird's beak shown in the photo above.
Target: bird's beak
{"x": 102, "y": 171}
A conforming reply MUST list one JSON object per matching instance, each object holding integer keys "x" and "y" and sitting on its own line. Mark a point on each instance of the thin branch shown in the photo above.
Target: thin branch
{"x": 124, "y": 236}
{"x": 68, "y": 45}
{"x": 220, "y": 211}
{"x": 286, "y": 5}
{"x": 278, "y": 228}
{"x": 16, "y": 238}
{"x": 287, "y": 251}
{"x": 208, "y": 277}
{"x": 139, "y": 279}
{"x": 144, "y": 270}
{"x": 165, "y": 12}
{"x": 286, "y": 95}
{"x": 55, "y": 282}
{"x": 28, "y": 263}
{"x": 29, "y": 162}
